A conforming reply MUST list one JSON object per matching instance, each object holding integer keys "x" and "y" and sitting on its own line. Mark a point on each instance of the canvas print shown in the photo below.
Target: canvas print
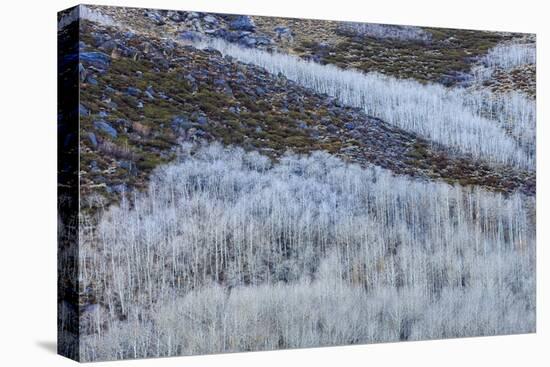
{"x": 232, "y": 183}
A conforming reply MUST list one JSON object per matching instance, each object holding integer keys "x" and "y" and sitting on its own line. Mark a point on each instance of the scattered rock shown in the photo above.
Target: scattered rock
{"x": 190, "y": 36}
{"x": 248, "y": 41}
{"x": 90, "y": 79}
{"x": 83, "y": 111}
{"x": 181, "y": 123}
{"x": 235, "y": 110}
{"x": 242, "y": 23}
{"x": 155, "y": 17}
{"x": 109, "y": 90}
{"x": 331, "y": 128}
{"x": 202, "y": 120}
{"x": 192, "y": 15}
{"x": 364, "y": 139}
{"x": 108, "y": 46}
{"x": 149, "y": 95}
{"x": 99, "y": 60}
{"x": 212, "y": 50}
{"x": 129, "y": 166}
{"x": 92, "y": 139}
{"x": 211, "y": 20}
{"x": 176, "y": 16}
{"x": 106, "y": 128}
{"x": 220, "y": 83}
{"x": 100, "y": 38}
{"x": 283, "y": 33}
{"x": 82, "y": 72}
{"x": 93, "y": 166}
{"x": 192, "y": 80}
{"x": 133, "y": 91}
{"x": 197, "y": 26}
{"x": 260, "y": 91}
{"x": 263, "y": 41}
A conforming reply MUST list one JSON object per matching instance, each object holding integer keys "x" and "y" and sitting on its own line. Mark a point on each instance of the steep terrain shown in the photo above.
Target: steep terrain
{"x": 142, "y": 95}
{"x": 253, "y": 183}
{"x": 228, "y": 252}
{"x": 427, "y": 55}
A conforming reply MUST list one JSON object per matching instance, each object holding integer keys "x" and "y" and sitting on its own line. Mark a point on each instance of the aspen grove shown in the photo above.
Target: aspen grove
{"x": 432, "y": 111}
{"x": 238, "y": 191}
{"x": 227, "y": 251}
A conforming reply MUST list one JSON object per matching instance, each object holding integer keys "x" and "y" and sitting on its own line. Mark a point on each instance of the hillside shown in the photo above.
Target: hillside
{"x": 227, "y": 252}
{"x": 254, "y": 183}
{"x": 143, "y": 95}
{"x": 426, "y": 54}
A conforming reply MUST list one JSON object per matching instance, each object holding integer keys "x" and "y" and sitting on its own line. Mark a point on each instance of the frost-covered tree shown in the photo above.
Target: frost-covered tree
{"x": 505, "y": 56}
{"x": 227, "y": 251}
{"x": 432, "y": 111}
{"x": 510, "y": 55}
{"x": 383, "y": 31}
{"x": 513, "y": 111}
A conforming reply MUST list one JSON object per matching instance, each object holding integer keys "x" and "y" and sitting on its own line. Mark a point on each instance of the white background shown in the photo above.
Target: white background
{"x": 28, "y": 182}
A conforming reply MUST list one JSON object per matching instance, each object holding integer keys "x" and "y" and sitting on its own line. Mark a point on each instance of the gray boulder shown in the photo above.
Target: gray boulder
{"x": 82, "y": 72}
{"x": 190, "y": 36}
{"x": 176, "y": 16}
{"x": 331, "y": 128}
{"x": 242, "y": 23}
{"x": 192, "y": 15}
{"x": 93, "y": 140}
{"x": 202, "y": 120}
{"x": 248, "y": 41}
{"x": 106, "y": 128}
{"x": 90, "y": 79}
{"x": 108, "y": 46}
{"x": 211, "y": 20}
{"x": 133, "y": 91}
{"x": 99, "y": 60}
{"x": 155, "y": 17}
{"x": 263, "y": 41}
{"x": 181, "y": 122}
{"x": 83, "y": 110}
{"x": 283, "y": 33}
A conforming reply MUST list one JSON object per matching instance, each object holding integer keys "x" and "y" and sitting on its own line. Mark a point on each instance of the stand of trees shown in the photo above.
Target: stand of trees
{"x": 511, "y": 55}
{"x": 230, "y": 252}
{"x": 433, "y": 111}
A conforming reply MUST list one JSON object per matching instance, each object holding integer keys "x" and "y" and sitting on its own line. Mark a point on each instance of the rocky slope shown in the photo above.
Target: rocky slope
{"x": 509, "y": 67}
{"x": 521, "y": 78}
{"x": 143, "y": 95}
{"x": 149, "y": 93}
{"x": 439, "y": 55}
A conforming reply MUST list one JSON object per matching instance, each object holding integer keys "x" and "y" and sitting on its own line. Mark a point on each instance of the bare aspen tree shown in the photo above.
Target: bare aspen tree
{"x": 226, "y": 252}
{"x": 431, "y": 110}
